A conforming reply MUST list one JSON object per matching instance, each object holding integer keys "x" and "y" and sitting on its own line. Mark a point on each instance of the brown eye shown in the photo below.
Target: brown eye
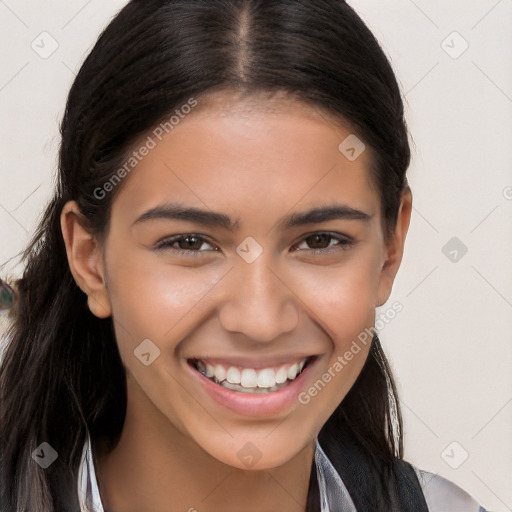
{"x": 188, "y": 245}
{"x": 320, "y": 243}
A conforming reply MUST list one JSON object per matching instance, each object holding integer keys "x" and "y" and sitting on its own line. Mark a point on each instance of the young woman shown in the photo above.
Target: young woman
{"x": 195, "y": 326}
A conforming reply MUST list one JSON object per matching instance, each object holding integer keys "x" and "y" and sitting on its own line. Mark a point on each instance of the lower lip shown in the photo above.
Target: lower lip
{"x": 255, "y": 404}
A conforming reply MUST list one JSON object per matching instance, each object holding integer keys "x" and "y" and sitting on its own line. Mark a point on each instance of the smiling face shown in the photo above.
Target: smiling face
{"x": 250, "y": 281}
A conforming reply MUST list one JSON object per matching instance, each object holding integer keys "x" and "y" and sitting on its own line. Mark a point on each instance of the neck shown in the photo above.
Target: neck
{"x": 155, "y": 464}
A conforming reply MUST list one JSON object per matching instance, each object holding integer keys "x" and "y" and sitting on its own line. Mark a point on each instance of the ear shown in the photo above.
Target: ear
{"x": 395, "y": 248}
{"x": 85, "y": 259}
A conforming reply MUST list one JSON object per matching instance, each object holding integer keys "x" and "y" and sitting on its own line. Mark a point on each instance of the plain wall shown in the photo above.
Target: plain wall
{"x": 450, "y": 346}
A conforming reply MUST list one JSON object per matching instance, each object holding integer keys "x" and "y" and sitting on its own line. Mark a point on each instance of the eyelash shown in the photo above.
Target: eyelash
{"x": 344, "y": 244}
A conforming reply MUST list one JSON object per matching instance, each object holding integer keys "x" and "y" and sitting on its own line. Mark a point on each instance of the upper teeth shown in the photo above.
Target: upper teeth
{"x": 249, "y": 377}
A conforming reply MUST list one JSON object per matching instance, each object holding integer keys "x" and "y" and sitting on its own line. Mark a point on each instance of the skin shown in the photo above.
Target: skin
{"x": 256, "y": 165}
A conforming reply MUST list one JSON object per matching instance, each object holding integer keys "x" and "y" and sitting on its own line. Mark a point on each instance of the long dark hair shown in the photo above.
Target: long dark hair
{"x": 61, "y": 373}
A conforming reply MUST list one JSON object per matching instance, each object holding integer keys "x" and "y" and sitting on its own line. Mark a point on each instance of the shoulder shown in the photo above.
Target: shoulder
{"x": 442, "y": 495}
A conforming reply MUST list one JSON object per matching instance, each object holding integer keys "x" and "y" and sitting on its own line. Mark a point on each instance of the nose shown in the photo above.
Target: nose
{"x": 258, "y": 302}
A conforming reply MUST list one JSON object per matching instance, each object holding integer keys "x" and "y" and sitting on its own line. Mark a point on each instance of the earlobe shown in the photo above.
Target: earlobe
{"x": 84, "y": 258}
{"x": 395, "y": 249}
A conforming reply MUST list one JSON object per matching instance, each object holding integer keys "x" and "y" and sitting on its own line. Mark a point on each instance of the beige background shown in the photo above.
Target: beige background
{"x": 450, "y": 347}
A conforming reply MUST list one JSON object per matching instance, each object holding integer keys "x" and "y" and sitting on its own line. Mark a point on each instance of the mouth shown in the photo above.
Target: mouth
{"x": 251, "y": 380}
{"x": 256, "y": 393}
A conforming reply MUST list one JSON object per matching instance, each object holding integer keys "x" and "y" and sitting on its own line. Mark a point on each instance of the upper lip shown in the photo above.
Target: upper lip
{"x": 250, "y": 362}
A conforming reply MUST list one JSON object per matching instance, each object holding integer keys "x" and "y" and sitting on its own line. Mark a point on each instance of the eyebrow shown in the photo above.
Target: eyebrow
{"x": 173, "y": 211}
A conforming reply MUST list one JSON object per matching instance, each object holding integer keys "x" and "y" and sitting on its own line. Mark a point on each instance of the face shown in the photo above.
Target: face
{"x": 249, "y": 286}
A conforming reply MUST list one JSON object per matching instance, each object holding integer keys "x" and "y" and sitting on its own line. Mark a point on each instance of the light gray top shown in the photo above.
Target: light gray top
{"x": 441, "y": 494}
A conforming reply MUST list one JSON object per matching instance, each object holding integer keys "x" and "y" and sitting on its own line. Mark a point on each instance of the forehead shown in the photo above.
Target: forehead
{"x": 251, "y": 158}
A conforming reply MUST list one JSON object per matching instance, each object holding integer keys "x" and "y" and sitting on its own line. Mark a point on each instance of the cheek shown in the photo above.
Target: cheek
{"x": 155, "y": 301}
{"x": 343, "y": 297}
